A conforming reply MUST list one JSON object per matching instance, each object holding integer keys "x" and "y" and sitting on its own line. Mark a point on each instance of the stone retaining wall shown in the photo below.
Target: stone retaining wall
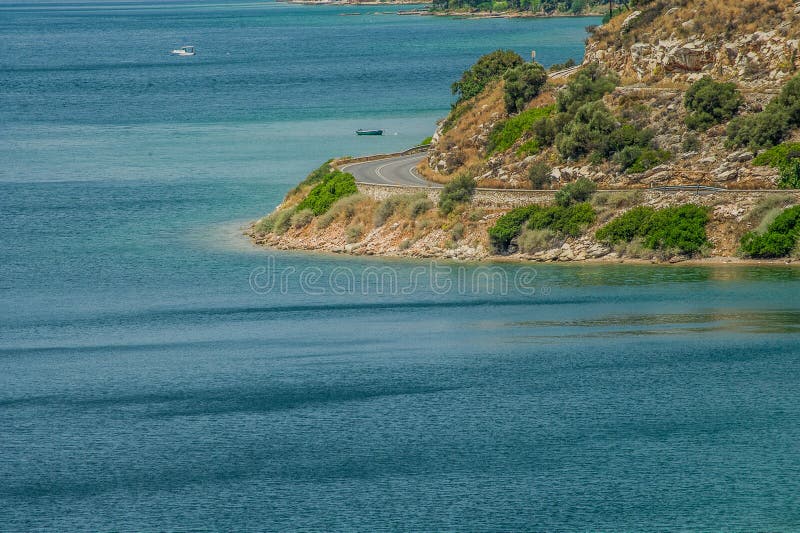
{"x": 510, "y": 198}
{"x": 338, "y": 163}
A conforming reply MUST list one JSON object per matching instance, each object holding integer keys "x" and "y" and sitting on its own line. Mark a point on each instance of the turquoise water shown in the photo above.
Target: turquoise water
{"x": 159, "y": 373}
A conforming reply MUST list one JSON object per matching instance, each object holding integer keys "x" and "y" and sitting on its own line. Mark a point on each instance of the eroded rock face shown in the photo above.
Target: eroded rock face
{"x": 760, "y": 59}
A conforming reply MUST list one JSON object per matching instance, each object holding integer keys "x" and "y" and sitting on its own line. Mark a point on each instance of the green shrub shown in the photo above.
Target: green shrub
{"x": 682, "y": 228}
{"x": 301, "y": 219}
{"x": 539, "y": 175}
{"x": 556, "y": 219}
{"x": 570, "y": 220}
{"x": 762, "y": 130}
{"x": 530, "y": 147}
{"x": 459, "y": 191}
{"x": 507, "y": 132}
{"x": 393, "y": 204}
{"x": 508, "y": 226}
{"x": 488, "y": 67}
{"x": 426, "y": 140}
{"x": 711, "y": 102}
{"x": 790, "y": 175}
{"x": 523, "y": 84}
{"x": 333, "y": 187}
{"x": 626, "y": 136}
{"x": 674, "y": 228}
{"x": 771, "y": 126}
{"x": 625, "y": 227}
{"x": 590, "y": 84}
{"x": 544, "y": 131}
{"x": 592, "y": 124}
{"x": 778, "y": 156}
{"x": 577, "y": 191}
{"x": 766, "y": 246}
{"x": 647, "y": 159}
{"x": 316, "y": 176}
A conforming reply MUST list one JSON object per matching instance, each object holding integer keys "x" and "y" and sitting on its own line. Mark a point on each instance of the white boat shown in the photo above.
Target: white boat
{"x": 183, "y": 51}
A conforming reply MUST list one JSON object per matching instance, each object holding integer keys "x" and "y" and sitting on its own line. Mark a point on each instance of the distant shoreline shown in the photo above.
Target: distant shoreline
{"x": 448, "y": 13}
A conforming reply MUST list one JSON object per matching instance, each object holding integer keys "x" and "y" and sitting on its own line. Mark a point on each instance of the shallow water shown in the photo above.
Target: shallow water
{"x": 157, "y": 372}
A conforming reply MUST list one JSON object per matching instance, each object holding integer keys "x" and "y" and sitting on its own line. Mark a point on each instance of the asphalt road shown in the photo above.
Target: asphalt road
{"x": 392, "y": 171}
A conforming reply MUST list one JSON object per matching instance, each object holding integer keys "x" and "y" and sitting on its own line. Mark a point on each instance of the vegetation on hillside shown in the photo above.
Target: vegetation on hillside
{"x": 779, "y": 240}
{"x": 334, "y": 186}
{"x": 459, "y": 191}
{"x": 489, "y": 67}
{"x": 575, "y": 7}
{"x": 681, "y": 229}
{"x": 710, "y": 102}
{"x": 770, "y": 127}
{"x": 507, "y": 132}
{"x": 522, "y": 84}
{"x": 557, "y": 221}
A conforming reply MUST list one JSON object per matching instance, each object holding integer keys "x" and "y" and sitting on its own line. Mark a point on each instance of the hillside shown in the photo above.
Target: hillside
{"x": 607, "y": 158}
{"x": 650, "y": 58}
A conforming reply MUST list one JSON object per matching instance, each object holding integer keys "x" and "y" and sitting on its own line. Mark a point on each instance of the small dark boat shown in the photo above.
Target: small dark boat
{"x": 369, "y": 132}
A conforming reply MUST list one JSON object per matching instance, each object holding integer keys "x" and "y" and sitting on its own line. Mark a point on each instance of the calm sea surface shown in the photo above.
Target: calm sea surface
{"x": 159, "y": 373}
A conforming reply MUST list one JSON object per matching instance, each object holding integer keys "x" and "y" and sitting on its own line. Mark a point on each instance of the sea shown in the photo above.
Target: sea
{"x": 158, "y": 372}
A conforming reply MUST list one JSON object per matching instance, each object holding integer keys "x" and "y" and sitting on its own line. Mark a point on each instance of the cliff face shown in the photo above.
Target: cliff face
{"x": 754, "y": 42}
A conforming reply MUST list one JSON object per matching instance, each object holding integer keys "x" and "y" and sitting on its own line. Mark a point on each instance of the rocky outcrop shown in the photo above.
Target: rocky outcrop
{"x": 655, "y": 45}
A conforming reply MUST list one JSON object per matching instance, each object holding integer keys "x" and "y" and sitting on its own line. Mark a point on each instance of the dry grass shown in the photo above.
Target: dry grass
{"x": 709, "y": 18}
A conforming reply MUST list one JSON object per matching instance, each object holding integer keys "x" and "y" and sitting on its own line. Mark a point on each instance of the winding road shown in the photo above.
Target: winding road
{"x": 398, "y": 170}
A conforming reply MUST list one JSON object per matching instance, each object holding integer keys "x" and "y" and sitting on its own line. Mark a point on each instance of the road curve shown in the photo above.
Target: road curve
{"x": 399, "y": 170}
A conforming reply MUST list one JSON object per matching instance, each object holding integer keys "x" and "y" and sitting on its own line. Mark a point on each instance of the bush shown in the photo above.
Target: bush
{"x": 335, "y": 186}
{"x": 426, "y": 140}
{"x": 509, "y": 226}
{"x": 577, "y": 191}
{"x": 570, "y": 220}
{"x": 682, "y": 228}
{"x": 459, "y": 191}
{"x": 625, "y": 227}
{"x": 316, "y": 176}
{"x": 710, "y": 103}
{"x": 590, "y": 84}
{"x": 771, "y": 126}
{"x": 507, "y": 132}
{"x": 674, "y": 228}
{"x": 790, "y": 175}
{"x": 301, "y": 219}
{"x": 763, "y": 130}
{"x": 393, "y": 204}
{"x": 457, "y": 231}
{"x": 531, "y": 241}
{"x": 523, "y": 84}
{"x": 767, "y": 246}
{"x": 487, "y": 68}
{"x": 778, "y": 156}
{"x": 593, "y": 123}
{"x": 691, "y": 143}
{"x": 647, "y": 159}
{"x": 418, "y": 207}
{"x": 347, "y": 207}
{"x": 353, "y": 233}
{"x": 539, "y": 175}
